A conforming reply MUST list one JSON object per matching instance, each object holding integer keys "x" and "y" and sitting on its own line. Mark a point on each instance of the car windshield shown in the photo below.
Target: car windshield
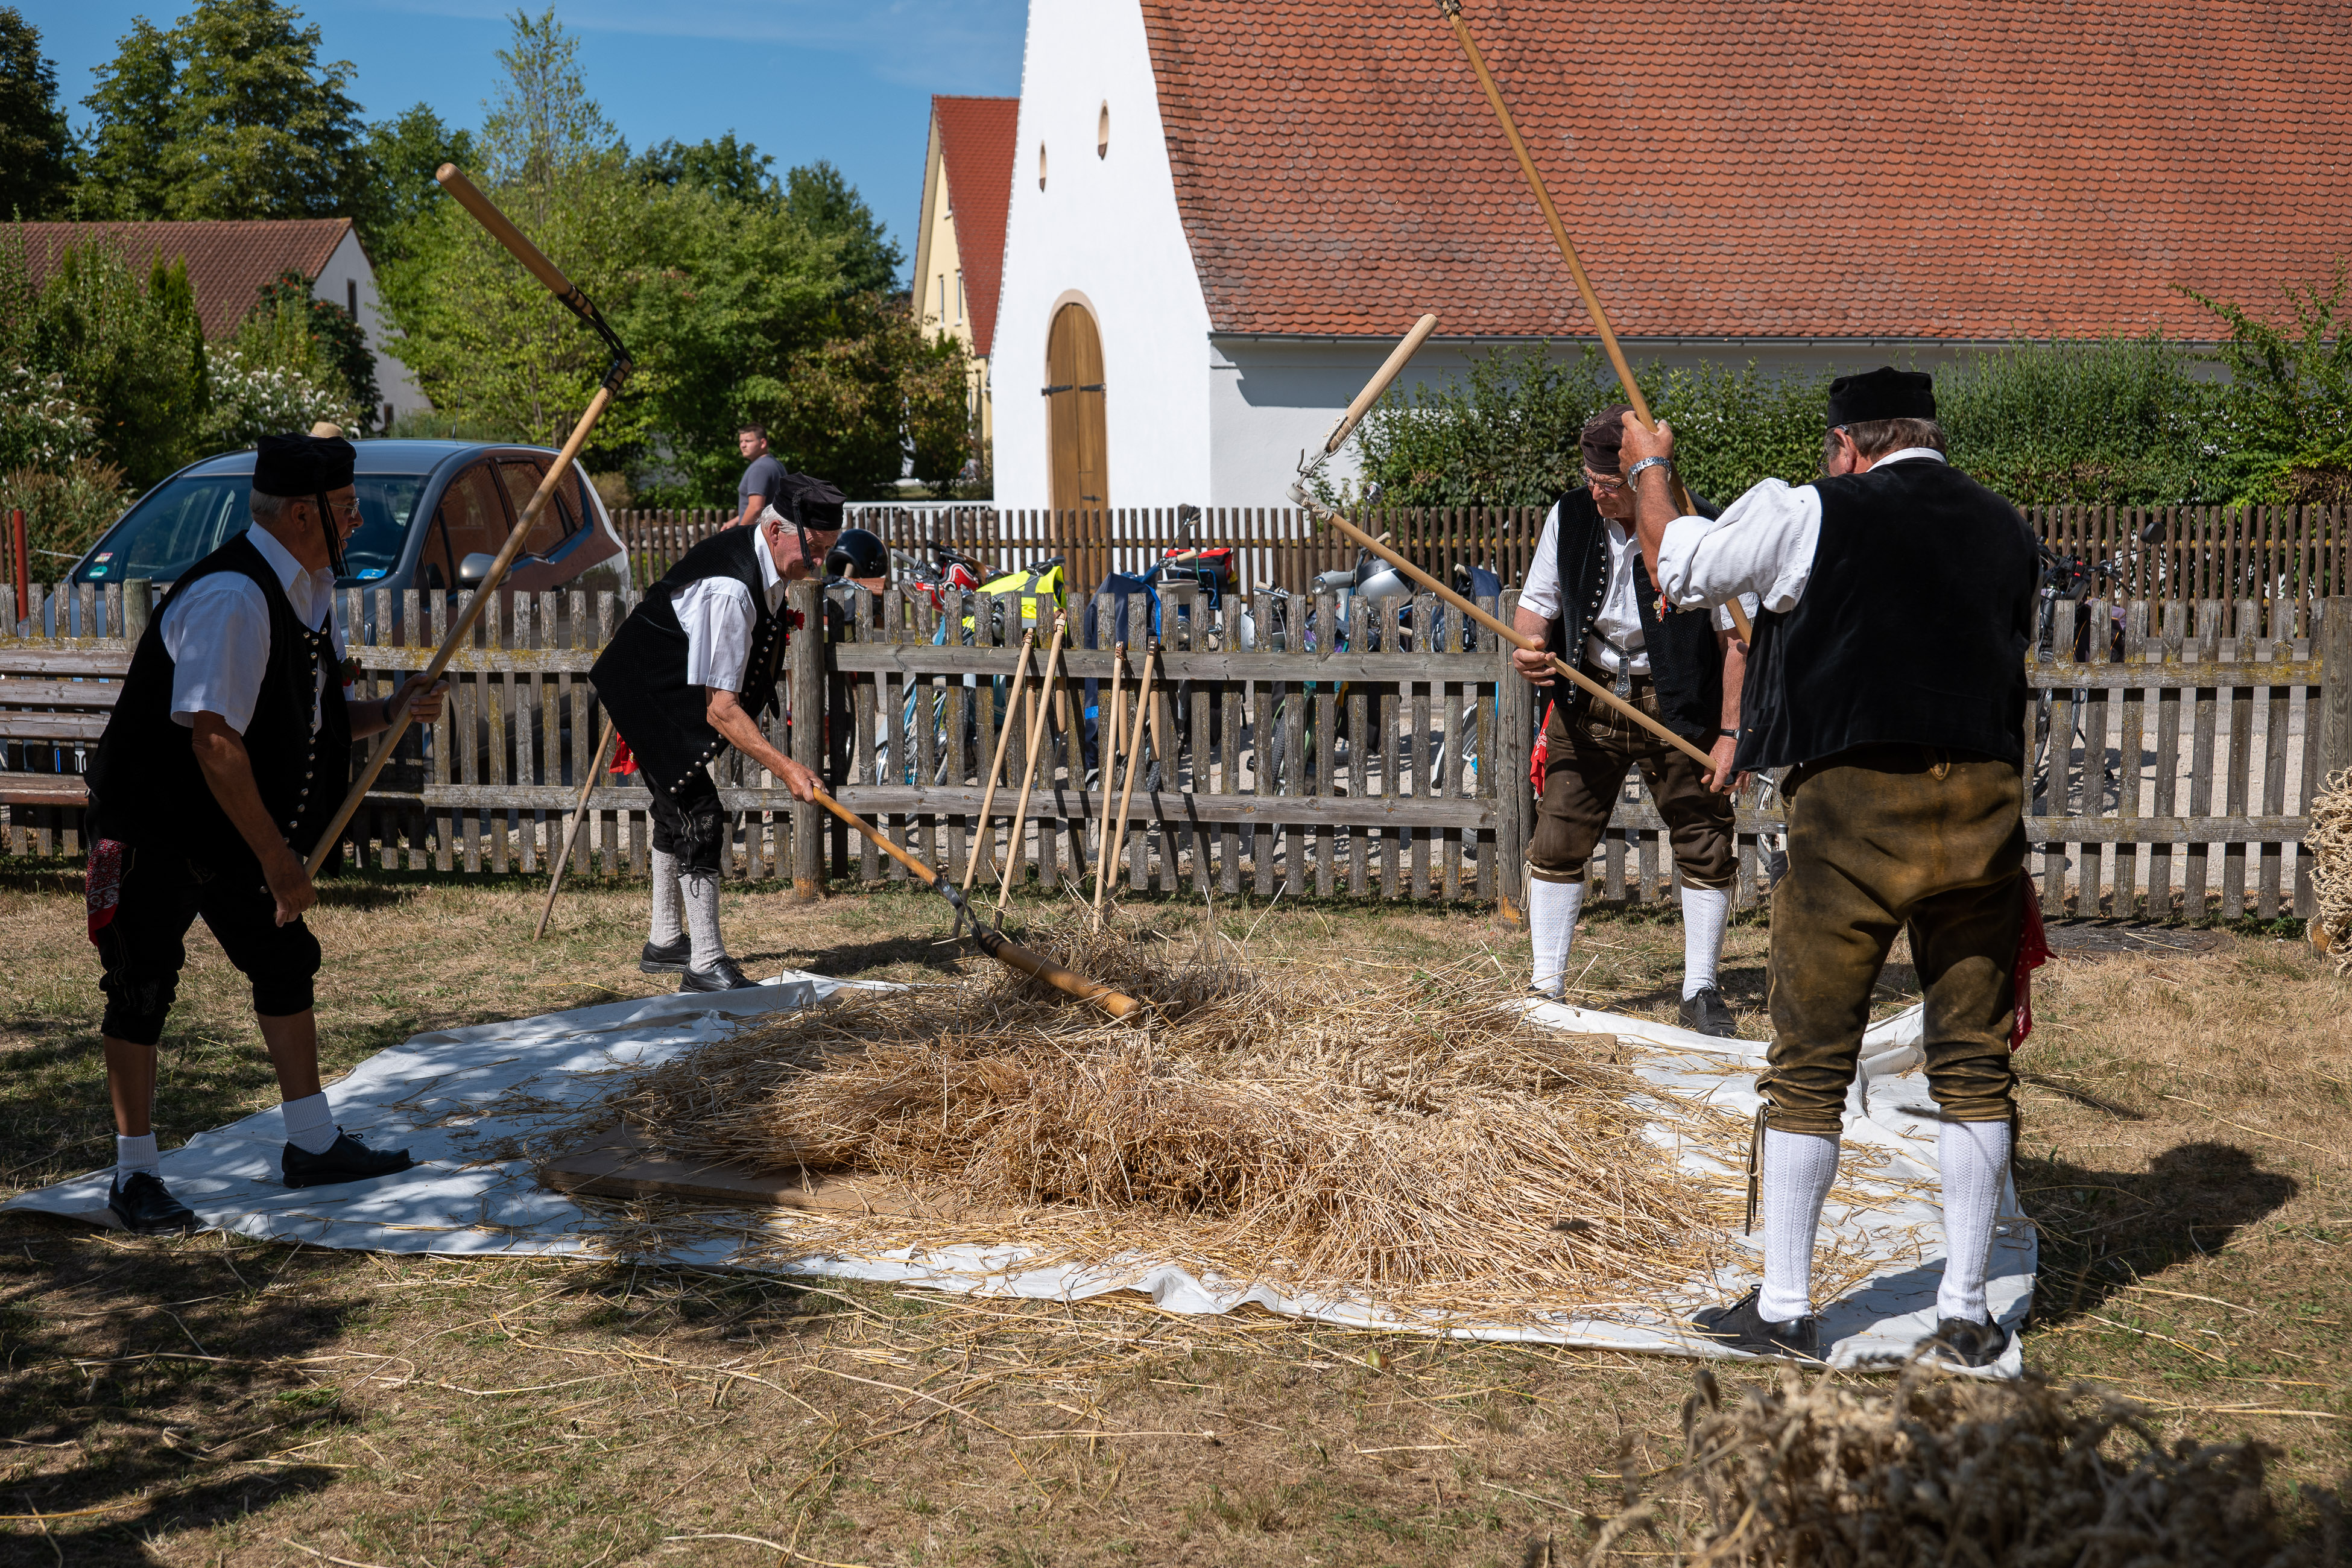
{"x": 187, "y": 519}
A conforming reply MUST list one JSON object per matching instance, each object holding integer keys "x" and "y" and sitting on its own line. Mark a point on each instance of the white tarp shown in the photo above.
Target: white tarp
{"x": 470, "y": 1105}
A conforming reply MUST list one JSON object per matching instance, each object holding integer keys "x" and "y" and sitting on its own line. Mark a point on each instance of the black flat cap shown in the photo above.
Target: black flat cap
{"x": 1881, "y": 393}
{"x": 302, "y": 465}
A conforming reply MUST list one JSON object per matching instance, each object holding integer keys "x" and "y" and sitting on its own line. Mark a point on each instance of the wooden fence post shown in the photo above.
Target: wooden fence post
{"x": 2334, "y": 650}
{"x": 137, "y": 604}
{"x": 805, "y": 677}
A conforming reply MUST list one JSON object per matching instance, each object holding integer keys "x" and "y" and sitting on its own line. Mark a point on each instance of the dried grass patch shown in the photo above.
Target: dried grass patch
{"x": 1410, "y": 1135}
{"x": 1940, "y": 1470}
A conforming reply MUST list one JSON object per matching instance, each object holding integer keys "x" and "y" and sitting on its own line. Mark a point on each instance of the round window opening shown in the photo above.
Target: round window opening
{"x": 1041, "y": 166}
{"x": 1102, "y": 132}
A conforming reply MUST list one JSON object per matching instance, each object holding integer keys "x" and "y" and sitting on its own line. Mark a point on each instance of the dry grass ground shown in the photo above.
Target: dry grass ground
{"x": 223, "y": 1402}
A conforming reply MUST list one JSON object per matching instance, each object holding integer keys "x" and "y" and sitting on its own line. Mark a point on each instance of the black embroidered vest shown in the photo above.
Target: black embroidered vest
{"x": 1912, "y": 628}
{"x": 146, "y": 786}
{"x": 641, "y": 676}
{"x": 1685, "y": 660}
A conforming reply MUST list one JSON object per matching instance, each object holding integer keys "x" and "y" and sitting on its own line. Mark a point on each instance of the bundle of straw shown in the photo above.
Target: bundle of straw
{"x": 1414, "y": 1135}
{"x": 2329, "y": 839}
{"x": 1941, "y": 1471}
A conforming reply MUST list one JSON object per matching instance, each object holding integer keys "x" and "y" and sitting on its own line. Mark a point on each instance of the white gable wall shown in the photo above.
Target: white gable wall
{"x": 1104, "y": 231}
{"x": 349, "y": 265}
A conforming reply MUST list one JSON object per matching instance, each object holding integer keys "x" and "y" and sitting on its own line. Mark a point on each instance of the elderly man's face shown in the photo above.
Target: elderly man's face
{"x": 784, "y": 548}
{"x": 1611, "y": 496}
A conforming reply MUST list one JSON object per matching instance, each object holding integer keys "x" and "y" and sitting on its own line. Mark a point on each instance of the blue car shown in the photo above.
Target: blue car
{"x": 434, "y": 514}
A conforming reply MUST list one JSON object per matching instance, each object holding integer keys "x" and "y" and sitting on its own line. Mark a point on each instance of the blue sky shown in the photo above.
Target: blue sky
{"x": 803, "y": 79}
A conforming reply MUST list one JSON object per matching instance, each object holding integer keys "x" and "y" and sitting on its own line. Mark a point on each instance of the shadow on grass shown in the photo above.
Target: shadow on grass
{"x": 144, "y": 1378}
{"x": 2133, "y": 1225}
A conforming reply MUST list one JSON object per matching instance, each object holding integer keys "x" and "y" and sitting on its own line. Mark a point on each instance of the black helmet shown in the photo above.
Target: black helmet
{"x": 858, "y": 553}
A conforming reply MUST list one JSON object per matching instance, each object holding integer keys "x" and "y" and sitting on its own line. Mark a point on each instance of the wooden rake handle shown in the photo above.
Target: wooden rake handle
{"x": 1509, "y": 633}
{"x": 996, "y": 945}
{"x": 1609, "y": 344}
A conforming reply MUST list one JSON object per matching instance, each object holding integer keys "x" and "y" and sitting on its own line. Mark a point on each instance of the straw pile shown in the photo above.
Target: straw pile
{"x": 2330, "y": 842}
{"x": 1336, "y": 1130}
{"x": 1951, "y": 1470}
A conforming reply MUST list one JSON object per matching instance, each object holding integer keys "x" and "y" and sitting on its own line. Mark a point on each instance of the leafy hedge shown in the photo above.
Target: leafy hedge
{"x": 2121, "y": 421}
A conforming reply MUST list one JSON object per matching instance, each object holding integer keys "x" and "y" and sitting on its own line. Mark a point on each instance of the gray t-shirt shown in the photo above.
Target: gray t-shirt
{"x": 765, "y": 477}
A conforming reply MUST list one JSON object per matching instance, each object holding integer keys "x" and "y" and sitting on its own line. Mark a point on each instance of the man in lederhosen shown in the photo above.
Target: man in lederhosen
{"x": 1889, "y": 674}
{"x": 690, "y": 673}
{"x": 229, "y": 749}
{"x": 1588, "y": 593}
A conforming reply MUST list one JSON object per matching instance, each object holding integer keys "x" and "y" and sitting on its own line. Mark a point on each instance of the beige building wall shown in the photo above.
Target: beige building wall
{"x": 940, "y": 303}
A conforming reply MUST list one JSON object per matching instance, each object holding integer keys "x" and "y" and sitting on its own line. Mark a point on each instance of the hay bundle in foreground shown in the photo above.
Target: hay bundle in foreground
{"x": 1940, "y": 1470}
{"x": 2329, "y": 841}
{"x": 1330, "y": 1129}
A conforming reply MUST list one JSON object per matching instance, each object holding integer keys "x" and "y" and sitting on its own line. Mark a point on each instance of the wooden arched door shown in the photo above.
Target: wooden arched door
{"x": 1074, "y": 411}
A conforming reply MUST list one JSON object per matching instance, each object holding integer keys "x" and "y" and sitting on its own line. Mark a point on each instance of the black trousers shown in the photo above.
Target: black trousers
{"x": 142, "y": 903}
{"x": 691, "y": 824}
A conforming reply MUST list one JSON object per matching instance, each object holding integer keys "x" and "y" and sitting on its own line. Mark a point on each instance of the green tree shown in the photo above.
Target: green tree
{"x": 2288, "y": 423}
{"x": 832, "y": 209}
{"x": 731, "y": 170}
{"x": 228, "y": 115}
{"x": 407, "y": 150}
{"x": 133, "y": 354}
{"x": 488, "y": 343}
{"x": 36, "y": 146}
{"x": 340, "y": 343}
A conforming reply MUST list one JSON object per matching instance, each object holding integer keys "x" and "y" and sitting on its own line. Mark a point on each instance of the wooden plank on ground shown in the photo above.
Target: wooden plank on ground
{"x": 619, "y": 1165}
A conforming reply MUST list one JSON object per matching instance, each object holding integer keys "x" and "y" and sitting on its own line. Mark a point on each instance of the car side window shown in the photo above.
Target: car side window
{"x": 557, "y": 523}
{"x": 471, "y": 520}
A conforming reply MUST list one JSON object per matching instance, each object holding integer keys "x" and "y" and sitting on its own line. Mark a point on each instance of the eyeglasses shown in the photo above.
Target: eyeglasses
{"x": 1601, "y": 484}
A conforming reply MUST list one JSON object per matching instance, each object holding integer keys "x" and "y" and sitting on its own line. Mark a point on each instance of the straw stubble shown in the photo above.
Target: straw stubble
{"x": 1414, "y": 1138}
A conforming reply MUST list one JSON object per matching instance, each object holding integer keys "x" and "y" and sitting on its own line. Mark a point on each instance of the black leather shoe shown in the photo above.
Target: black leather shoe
{"x": 666, "y": 958}
{"x": 1959, "y": 1342}
{"x": 1743, "y": 1328}
{"x": 347, "y": 1160}
{"x": 146, "y": 1207}
{"x": 723, "y": 976}
{"x": 1706, "y": 1014}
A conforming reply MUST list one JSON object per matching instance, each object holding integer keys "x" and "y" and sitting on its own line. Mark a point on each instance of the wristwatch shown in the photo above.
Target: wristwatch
{"x": 1636, "y": 471}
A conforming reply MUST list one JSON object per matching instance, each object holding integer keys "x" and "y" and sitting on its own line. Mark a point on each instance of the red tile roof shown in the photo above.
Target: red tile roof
{"x": 976, "y": 145}
{"x": 1946, "y": 169}
{"x": 228, "y": 260}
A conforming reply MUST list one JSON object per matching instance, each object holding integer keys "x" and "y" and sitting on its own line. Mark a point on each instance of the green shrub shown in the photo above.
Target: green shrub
{"x": 2289, "y": 432}
{"x": 65, "y": 510}
{"x": 274, "y": 375}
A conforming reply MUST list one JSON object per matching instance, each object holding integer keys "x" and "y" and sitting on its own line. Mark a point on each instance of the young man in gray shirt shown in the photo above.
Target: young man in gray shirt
{"x": 762, "y": 482}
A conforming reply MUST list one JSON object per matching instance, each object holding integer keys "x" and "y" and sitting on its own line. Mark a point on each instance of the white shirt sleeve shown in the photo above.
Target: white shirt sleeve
{"x": 1540, "y": 595}
{"x": 218, "y": 634}
{"x": 1762, "y": 546}
{"x": 716, "y": 616}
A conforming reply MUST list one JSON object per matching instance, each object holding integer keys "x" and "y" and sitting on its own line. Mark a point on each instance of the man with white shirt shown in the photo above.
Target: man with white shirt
{"x": 1588, "y": 593}
{"x": 227, "y": 751}
{"x": 1889, "y": 674}
{"x": 690, "y": 673}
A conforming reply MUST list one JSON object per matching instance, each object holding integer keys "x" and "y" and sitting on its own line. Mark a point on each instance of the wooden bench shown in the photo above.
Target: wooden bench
{"x": 54, "y": 704}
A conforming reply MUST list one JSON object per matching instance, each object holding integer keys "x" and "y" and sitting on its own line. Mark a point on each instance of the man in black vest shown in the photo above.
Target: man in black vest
{"x": 691, "y": 672}
{"x": 1888, "y": 676}
{"x": 229, "y": 749}
{"x": 1588, "y": 593}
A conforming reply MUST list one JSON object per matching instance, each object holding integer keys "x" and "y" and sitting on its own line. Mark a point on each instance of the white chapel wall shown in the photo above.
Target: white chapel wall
{"x": 1104, "y": 231}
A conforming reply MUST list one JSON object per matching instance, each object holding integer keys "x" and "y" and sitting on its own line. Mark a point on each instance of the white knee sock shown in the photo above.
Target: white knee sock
{"x": 670, "y": 908}
{"x": 1974, "y": 1156}
{"x": 1705, "y": 912}
{"x": 1551, "y": 924}
{"x": 309, "y": 1125}
{"x": 132, "y": 1155}
{"x": 701, "y": 899}
{"x": 1798, "y": 1170}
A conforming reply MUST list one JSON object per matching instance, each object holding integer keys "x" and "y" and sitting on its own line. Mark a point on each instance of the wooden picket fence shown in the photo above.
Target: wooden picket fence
{"x": 2189, "y": 553}
{"x": 2189, "y": 744}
